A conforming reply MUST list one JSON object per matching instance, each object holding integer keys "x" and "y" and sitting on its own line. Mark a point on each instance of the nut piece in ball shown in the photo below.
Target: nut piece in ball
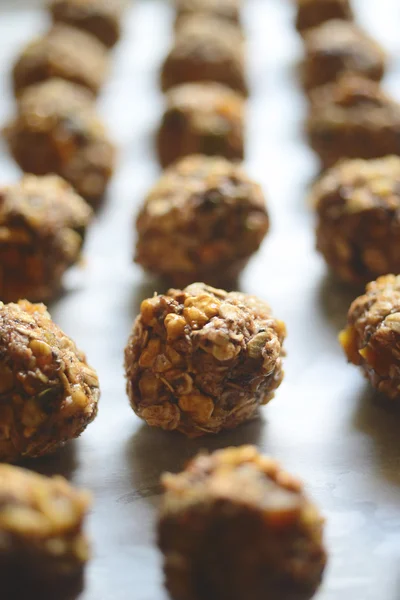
{"x": 371, "y": 339}
{"x": 48, "y": 393}
{"x": 57, "y": 130}
{"x": 64, "y": 52}
{"x": 201, "y": 118}
{"x": 228, "y": 10}
{"x": 41, "y": 528}
{"x": 102, "y": 18}
{"x": 206, "y": 49}
{"x": 235, "y": 526}
{"x": 311, "y": 13}
{"x": 42, "y": 229}
{"x": 338, "y": 47}
{"x": 201, "y": 222}
{"x": 358, "y": 208}
{"x": 353, "y": 118}
{"x": 200, "y": 360}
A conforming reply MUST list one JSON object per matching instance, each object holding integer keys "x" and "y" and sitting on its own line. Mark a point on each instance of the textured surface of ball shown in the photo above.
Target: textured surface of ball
{"x": 371, "y": 339}
{"x": 353, "y": 118}
{"x": 311, "y": 13}
{"x": 235, "y": 526}
{"x": 228, "y": 10}
{"x": 358, "y": 218}
{"x": 201, "y": 118}
{"x": 57, "y": 130}
{"x": 200, "y": 360}
{"x": 48, "y": 392}
{"x": 201, "y": 222}
{"x": 42, "y": 229}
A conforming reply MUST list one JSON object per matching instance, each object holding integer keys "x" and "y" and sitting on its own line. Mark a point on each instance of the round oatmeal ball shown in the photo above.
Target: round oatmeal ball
{"x": 353, "y": 118}
{"x": 311, "y": 13}
{"x": 42, "y": 229}
{"x": 200, "y": 360}
{"x": 338, "y": 47}
{"x": 228, "y": 10}
{"x": 201, "y": 118}
{"x": 102, "y": 18}
{"x": 48, "y": 393}
{"x": 358, "y": 209}
{"x": 371, "y": 339}
{"x": 41, "y": 529}
{"x": 63, "y": 52}
{"x": 206, "y": 49}
{"x": 201, "y": 222}
{"x": 57, "y": 130}
{"x": 234, "y": 526}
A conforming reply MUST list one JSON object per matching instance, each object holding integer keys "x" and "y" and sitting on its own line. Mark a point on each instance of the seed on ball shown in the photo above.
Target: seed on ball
{"x": 63, "y": 52}
{"x": 43, "y": 545}
{"x": 358, "y": 218}
{"x": 200, "y": 360}
{"x": 201, "y": 222}
{"x": 42, "y": 229}
{"x": 353, "y": 118}
{"x": 311, "y": 13}
{"x": 49, "y": 394}
{"x": 235, "y": 526}
{"x": 101, "y": 18}
{"x": 206, "y": 49}
{"x": 337, "y": 47}
{"x": 201, "y": 118}
{"x": 371, "y": 339}
{"x": 57, "y": 130}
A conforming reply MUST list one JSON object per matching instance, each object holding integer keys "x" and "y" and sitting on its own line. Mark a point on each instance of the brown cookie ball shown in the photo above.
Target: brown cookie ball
{"x": 102, "y": 18}
{"x": 201, "y": 118}
{"x": 235, "y": 526}
{"x": 41, "y": 529}
{"x": 358, "y": 208}
{"x": 48, "y": 393}
{"x": 200, "y": 360}
{"x": 206, "y": 49}
{"x": 64, "y": 52}
{"x": 311, "y": 13}
{"x": 201, "y": 222}
{"x": 42, "y": 228}
{"x": 57, "y": 130}
{"x": 338, "y": 47}
{"x": 353, "y": 118}
{"x": 371, "y": 339}
{"x": 228, "y": 10}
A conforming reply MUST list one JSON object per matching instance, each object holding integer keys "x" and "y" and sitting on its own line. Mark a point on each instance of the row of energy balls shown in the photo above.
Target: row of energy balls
{"x": 354, "y": 128}
{"x": 199, "y": 360}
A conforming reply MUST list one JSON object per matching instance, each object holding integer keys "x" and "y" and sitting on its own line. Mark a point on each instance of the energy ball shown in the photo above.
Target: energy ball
{"x": 235, "y": 526}
{"x": 338, "y": 47}
{"x": 64, "y": 52}
{"x": 228, "y": 10}
{"x": 101, "y": 18}
{"x": 57, "y": 130}
{"x": 49, "y": 394}
{"x": 206, "y": 49}
{"x": 201, "y": 360}
{"x": 371, "y": 339}
{"x": 358, "y": 207}
{"x": 42, "y": 229}
{"x": 353, "y": 118}
{"x": 201, "y": 118}
{"x": 201, "y": 222}
{"x": 311, "y": 13}
{"x": 41, "y": 530}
